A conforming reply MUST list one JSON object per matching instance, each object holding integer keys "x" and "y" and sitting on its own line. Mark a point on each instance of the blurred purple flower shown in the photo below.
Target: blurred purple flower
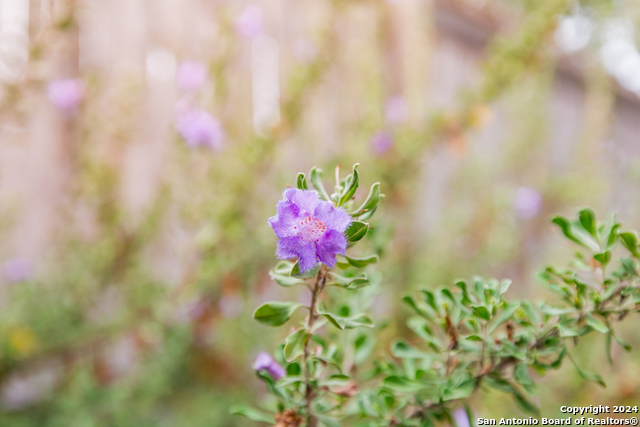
{"x": 66, "y": 94}
{"x": 527, "y": 203}
{"x": 396, "y": 109}
{"x": 17, "y": 269}
{"x": 199, "y": 128}
{"x": 264, "y": 362}
{"x": 460, "y": 417}
{"x": 191, "y": 75}
{"x": 309, "y": 229}
{"x": 250, "y": 24}
{"x": 381, "y": 141}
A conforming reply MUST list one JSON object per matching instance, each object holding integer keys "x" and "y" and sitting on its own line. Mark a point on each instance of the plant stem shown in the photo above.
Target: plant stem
{"x": 318, "y": 286}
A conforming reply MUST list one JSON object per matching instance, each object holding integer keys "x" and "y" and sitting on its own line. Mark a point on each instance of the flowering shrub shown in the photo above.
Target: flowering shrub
{"x": 470, "y": 335}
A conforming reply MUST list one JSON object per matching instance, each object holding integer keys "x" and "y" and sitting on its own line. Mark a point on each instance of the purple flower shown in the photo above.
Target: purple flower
{"x": 191, "y": 75}
{"x": 382, "y": 141}
{"x": 396, "y": 109}
{"x": 249, "y": 24}
{"x": 199, "y": 128}
{"x": 17, "y": 269}
{"x": 309, "y": 229}
{"x": 527, "y": 203}
{"x": 460, "y": 417}
{"x": 66, "y": 94}
{"x": 264, "y": 362}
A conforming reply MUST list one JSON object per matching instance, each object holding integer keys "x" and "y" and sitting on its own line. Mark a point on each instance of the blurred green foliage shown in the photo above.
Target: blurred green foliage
{"x": 144, "y": 320}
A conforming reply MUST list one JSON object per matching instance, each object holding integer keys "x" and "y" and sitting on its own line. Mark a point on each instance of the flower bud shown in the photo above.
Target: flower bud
{"x": 264, "y": 362}
{"x": 199, "y": 128}
{"x": 66, "y": 94}
{"x": 250, "y": 24}
{"x": 191, "y": 76}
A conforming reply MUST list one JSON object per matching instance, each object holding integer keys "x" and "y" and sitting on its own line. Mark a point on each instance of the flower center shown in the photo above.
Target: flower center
{"x": 311, "y": 228}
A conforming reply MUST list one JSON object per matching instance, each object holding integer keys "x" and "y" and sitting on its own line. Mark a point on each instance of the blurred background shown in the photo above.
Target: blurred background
{"x": 144, "y": 144}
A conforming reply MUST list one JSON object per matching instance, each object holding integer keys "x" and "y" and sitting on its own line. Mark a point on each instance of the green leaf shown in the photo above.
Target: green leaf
{"x": 301, "y": 181}
{"x": 295, "y": 271}
{"x": 293, "y": 370}
{"x": 572, "y": 234}
{"x": 315, "y": 177}
{"x": 343, "y": 322}
{"x": 524, "y": 379}
{"x": 420, "y": 327}
{"x": 356, "y": 231}
{"x": 588, "y": 220}
{"x": 504, "y": 286}
{"x": 271, "y": 385}
{"x": 460, "y": 391}
{"x": 327, "y": 421}
{"x": 430, "y": 299}
{"x": 630, "y": 241}
{"x": 342, "y": 264}
{"x": 556, "y": 311}
{"x": 362, "y": 261}
{"x": 355, "y": 282}
{"x": 566, "y": 331}
{"x": 603, "y": 257}
{"x": 558, "y": 362}
{"x": 275, "y": 313}
{"x": 629, "y": 266}
{"x": 466, "y": 299}
{"x": 408, "y": 299}
{"x": 504, "y": 386}
{"x": 565, "y": 226}
{"x": 364, "y": 345}
{"x": 614, "y": 233}
{"x": 338, "y": 380}
{"x": 368, "y": 207}
{"x": 528, "y": 309}
{"x": 479, "y": 287}
{"x": 589, "y": 376}
{"x": 507, "y": 311}
{"x": 285, "y": 281}
{"x": 597, "y": 324}
{"x": 281, "y": 274}
{"x": 294, "y": 344}
{"x": 607, "y": 347}
{"x": 622, "y": 343}
{"x": 470, "y": 415}
{"x": 427, "y": 422}
{"x": 252, "y": 414}
{"x": 499, "y": 384}
{"x": 351, "y": 186}
{"x": 403, "y": 350}
{"x": 404, "y": 384}
{"x": 481, "y": 311}
{"x": 609, "y": 290}
{"x": 526, "y": 406}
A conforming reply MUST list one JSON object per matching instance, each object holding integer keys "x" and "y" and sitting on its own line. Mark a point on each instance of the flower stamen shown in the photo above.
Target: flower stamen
{"x": 311, "y": 229}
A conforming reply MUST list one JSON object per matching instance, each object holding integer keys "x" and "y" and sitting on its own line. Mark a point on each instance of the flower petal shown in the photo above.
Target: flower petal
{"x": 334, "y": 218}
{"x": 295, "y": 247}
{"x": 306, "y": 200}
{"x": 283, "y": 222}
{"x": 264, "y": 362}
{"x": 332, "y": 243}
{"x": 308, "y": 258}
